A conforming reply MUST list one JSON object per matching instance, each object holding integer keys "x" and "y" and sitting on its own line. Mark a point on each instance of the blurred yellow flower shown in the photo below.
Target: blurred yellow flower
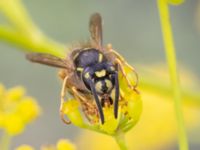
{"x": 64, "y": 144}
{"x": 30, "y": 106}
{"x": 24, "y": 147}
{"x": 16, "y": 110}
{"x": 13, "y": 124}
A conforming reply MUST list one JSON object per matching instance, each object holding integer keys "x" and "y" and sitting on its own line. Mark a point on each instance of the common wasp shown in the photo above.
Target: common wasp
{"x": 90, "y": 73}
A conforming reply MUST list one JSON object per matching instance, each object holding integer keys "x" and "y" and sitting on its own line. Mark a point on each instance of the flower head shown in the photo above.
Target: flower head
{"x": 24, "y": 147}
{"x": 62, "y": 144}
{"x": 16, "y": 110}
{"x": 130, "y": 107}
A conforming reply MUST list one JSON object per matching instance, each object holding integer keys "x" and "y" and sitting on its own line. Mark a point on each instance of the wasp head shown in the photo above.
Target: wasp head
{"x": 101, "y": 79}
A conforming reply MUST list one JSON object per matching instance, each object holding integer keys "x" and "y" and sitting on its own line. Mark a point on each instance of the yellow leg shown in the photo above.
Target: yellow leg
{"x": 84, "y": 102}
{"x": 124, "y": 74}
{"x": 120, "y": 60}
{"x": 62, "y": 100}
{"x": 77, "y": 95}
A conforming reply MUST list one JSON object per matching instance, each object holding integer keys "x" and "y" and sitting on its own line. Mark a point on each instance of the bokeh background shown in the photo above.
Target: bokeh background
{"x": 132, "y": 26}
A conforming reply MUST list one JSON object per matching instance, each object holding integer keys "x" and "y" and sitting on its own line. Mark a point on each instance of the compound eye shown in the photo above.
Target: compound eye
{"x": 110, "y": 68}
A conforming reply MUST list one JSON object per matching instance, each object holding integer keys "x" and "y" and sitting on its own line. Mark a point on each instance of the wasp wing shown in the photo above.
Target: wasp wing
{"x": 95, "y": 27}
{"x": 47, "y": 59}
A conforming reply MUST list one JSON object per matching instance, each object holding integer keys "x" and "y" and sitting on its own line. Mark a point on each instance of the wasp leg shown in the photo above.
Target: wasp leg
{"x": 77, "y": 95}
{"x": 120, "y": 60}
{"x": 84, "y": 102}
{"x": 117, "y": 61}
{"x": 94, "y": 93}
{"x": 62, "y": 100}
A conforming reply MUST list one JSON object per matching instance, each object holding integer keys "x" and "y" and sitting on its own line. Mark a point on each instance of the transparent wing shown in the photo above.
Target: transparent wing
{"x": 48, "y": 59}
{"x": 95, "y": 27}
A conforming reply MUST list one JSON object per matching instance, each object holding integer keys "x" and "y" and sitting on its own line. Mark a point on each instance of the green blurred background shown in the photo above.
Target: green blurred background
{"x": 132, "y": 26}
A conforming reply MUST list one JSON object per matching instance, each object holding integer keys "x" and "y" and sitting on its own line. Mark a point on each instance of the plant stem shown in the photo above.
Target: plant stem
{"x": 171, "y": 60}
{"x": 120, "y": 139}
{"x": 5, "y": 141}
{"x": 43, "y": 45}
{"x": 23, "y": 33}
{"x": 19, "y": 18}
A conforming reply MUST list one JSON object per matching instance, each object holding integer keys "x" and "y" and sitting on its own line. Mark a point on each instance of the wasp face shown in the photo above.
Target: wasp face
{"x": 99, "y": 76}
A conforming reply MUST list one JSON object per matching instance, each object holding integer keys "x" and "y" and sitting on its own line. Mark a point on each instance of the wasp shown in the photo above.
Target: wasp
{"x": 90, "y": 72}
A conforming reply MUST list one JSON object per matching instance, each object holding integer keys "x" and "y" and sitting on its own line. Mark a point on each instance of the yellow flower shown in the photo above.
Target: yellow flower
{"x": 111, "y": 123}
{"x": 64, "y": 144}
{"x": 15, "y": 94}
{"x": 130, "y": 108}
{"x": 28, "y": 109}
{"x": 13, "y": 124}
{"x": 71, "y": 109}
{"x": 16, "y": 110}
{"x": 24, "y": 147}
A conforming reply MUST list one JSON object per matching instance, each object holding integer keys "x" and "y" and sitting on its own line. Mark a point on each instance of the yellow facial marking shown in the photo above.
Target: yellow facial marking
{"x": 112, "y": 68}
{"x": 100, "y": 73}
{"x": 98, "y": 86}
{"x": 79, "y": 69}
{"x": 108, "y": 84}
{"x": 87, "y": 75}
{"x": 100, "y": 57}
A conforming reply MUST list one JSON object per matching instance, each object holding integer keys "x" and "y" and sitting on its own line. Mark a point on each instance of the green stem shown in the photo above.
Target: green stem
{"x": 5, "y": 141}
{"x": 120, "y": 139}
{"x": 171, "y": 59}
{"x": 24, "y": 33}
{"x": 17, "y": 15}
{"x": 30, "y": 45}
